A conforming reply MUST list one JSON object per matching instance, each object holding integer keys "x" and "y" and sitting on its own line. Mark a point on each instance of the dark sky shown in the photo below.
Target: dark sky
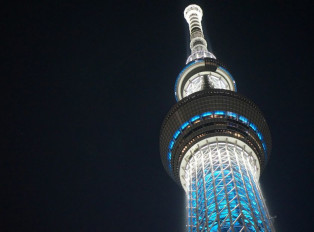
{"x": 87, "y": 86}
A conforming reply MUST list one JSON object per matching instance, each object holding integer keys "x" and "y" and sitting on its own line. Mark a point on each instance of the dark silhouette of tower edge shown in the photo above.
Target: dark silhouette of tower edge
{"x": 215, "y": 143}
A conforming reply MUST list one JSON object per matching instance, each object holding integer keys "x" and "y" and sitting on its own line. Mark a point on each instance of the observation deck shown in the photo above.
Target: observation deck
{"x": 211, "y": 113}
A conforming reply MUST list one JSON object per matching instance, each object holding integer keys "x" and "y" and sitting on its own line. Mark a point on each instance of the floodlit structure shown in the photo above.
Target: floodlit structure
{"x": 215, "y": 143}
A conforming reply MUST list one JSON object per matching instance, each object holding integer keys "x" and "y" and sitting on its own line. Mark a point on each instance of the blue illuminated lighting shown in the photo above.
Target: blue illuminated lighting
{"x": 231, "y": 114}
{"x": 176, "y": 134}
{"x": 171, "y": 144}
{"x": 169, "y": 156}
{"x": 207, "y": 114}
{"x": 243, "y": 119}
{"x": 197, "y": 198}
{"x": 184, "y": 125}
{"x": 253, "y": 126}
{"x": 194, "y": 118}
{"x": 219, "y": 112}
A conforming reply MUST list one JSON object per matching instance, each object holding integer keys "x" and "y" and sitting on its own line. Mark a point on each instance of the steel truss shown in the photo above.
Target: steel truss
{"x": 197, "y": 83}
{"x": 223, "y": 191}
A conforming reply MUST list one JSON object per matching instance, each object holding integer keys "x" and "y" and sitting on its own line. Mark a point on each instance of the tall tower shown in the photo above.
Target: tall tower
{"x": 215, "y": 143}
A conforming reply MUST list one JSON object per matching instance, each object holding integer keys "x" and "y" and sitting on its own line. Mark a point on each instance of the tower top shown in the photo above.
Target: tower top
{"x": 193, "y": 9}
{"x": 193, "y": 15}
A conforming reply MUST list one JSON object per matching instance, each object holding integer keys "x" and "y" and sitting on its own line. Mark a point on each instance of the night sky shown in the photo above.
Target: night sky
{"x": 87, "y": 86}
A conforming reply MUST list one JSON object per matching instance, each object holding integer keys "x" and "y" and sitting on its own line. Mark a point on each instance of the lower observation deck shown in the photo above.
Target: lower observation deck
{"x": 212, "y": 113}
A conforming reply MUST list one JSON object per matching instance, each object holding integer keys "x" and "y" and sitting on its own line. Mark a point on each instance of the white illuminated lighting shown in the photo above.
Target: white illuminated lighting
{"x": 196, "y": 83}
{"x": 218, "y": 79}
{"x": 193, "y": 15}
{"x": 221, "y": 182}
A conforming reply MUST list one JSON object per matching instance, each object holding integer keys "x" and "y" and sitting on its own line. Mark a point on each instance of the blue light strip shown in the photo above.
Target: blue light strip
{"x": 235, "y": 116}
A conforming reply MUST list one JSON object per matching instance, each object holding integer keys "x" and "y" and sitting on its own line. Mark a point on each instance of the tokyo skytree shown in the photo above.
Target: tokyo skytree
{"x": 215, "y": 143}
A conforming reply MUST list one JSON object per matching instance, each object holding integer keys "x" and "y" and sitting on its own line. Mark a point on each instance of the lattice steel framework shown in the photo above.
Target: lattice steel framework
{"x": 223, "y": 192}
{"x": 197, "y": 83}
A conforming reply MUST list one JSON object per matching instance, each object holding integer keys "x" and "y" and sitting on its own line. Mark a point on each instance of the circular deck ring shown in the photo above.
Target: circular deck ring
{"x": 233, "y": 115}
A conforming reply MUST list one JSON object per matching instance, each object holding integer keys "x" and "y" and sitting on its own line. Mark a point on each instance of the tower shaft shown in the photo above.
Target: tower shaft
{"x": 222, "y": 190}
